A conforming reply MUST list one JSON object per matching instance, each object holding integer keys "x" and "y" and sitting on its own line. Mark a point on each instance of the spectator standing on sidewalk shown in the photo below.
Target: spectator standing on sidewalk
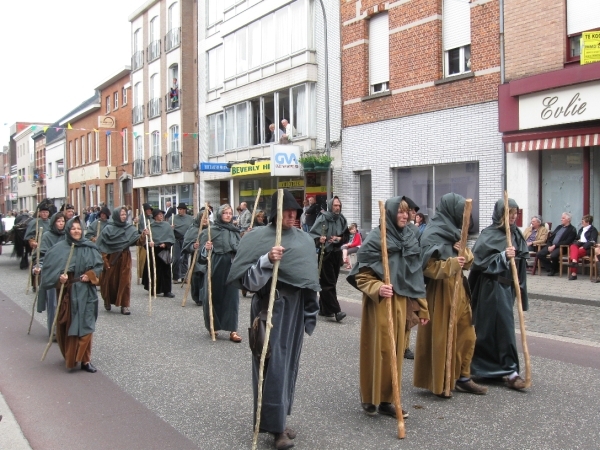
{"x": 586, "y": 237}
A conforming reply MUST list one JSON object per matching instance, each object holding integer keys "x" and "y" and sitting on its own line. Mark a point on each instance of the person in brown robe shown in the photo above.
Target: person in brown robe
{"x": 406, "y": 285}
{"x": 114, "y": 242}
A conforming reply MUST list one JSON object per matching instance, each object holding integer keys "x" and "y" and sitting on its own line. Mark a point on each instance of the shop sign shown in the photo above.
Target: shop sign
{"x": 251, "y": 169}
{"x": 213, "y": 167}
{"x": 290, "y": 184}
{"x": 284, "y": 160}
{"x": 590, "y": 47}
{"x": 106, "y": 122}
{"x": 569, "y": 104}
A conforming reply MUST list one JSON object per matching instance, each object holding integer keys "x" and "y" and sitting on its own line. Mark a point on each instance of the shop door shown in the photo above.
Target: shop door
{"x": 562, "y": 182}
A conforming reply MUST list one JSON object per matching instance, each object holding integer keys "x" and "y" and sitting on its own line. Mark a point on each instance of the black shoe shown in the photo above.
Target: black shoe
{"x": 88, "y": 367}
{"x": 551, "y": 273}
{"x": 408, "y": 354}
{"x": 340, "y": 316}
{"x": 322, "y": 314}
{"x": 388, "y": 409}
{"x": 170, "y": 295}
{"x": 369, "y": 408}
{"x": 573, "y": 276}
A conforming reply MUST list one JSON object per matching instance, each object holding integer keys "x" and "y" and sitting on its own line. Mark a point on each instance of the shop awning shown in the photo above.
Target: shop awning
{"x": 584, "y": 140}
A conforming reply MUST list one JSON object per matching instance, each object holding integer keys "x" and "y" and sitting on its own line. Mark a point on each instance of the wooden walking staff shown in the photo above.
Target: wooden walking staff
{"x": 37, "y": 279}
{"x": 452, "y": 322}
{"x": 255, "y": 206}
{"x": 60, "y": 295}
{"x": 172, "y": 222}
{"x": 322, "y": 250}
{"x": 149, "y": 271}
{"x": 153, "y": 251}
{"x": 388, "y": 301}
{"x": 190, "y": 273}
{"x": 37, "y": 231}
{"x": 515, "y": 277}
{"x": 209, "y": 280}
{"x": 263, "y": 355}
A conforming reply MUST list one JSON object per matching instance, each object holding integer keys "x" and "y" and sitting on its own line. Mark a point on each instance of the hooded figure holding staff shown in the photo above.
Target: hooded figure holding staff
{"x": 190, "y": 244}
{"x": 493, "y": 298}
{"x": 440, "y": 245}
{"x": 294, "y": 311}
{"x": 406, "y": 286}
{"x": 162, "y": 240}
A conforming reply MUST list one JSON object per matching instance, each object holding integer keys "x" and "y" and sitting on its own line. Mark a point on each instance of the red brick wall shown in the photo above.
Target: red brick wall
{"x": 416, "y": 58}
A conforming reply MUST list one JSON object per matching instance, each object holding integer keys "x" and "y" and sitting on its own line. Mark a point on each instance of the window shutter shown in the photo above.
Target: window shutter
{"x": 456, "y": 24}
{"x": 379, "y": 49}
{"x": 582, "y": 15}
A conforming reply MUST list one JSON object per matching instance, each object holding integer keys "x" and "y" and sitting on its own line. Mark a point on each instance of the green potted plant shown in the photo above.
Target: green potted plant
{"x": 323, "y": 162}
{"x": 308, "y": 162}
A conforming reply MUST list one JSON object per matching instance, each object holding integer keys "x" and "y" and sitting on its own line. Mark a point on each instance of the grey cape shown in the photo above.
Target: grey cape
{"x": 116, "y": 236}
{"x": 335, "y": 225}
{"x": 493, "y": 298}
{"x": 181, "y": 224}
{"x": 199, "y": 270}
{"x": 49, "y": 239}
{"x": 92, "y": 230}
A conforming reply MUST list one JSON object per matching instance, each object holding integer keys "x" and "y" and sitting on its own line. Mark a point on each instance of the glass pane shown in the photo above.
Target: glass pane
{"x": 212, "y": 68}
{"x": 220, "y": 132}
{"x": 268, "y": 37}
{"x": 283, "y": 107}
{"x": 562, "y": 179}
{"x": 453, "y": 61}
{"x": 242, "y": 125}
{"x": 212, "y": 135}
{"x": 463, "y": 179}
{"x": 229, "y": 57}
{"x": 300, "y": 115}
{"x": 229, "y": 128}
{"x": 366, "y": 220}
{"x": 282, "y": 43}
{"x": 299, "y": 36}
{"x": 467, "y": 58}
{"x": 254, "y": 44}
{"x": 242, "y": 53}
{"x": 575, "y": 46}
{"x": 255, "y": 130}
{"x": 269, "y": 119}
{"x": 417, "y": 184}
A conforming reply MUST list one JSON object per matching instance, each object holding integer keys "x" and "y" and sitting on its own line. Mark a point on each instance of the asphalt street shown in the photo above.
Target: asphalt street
{"x": 162, "y": 383}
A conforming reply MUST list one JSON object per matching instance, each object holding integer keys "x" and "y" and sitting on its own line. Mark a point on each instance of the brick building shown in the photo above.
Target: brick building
{"x": 419, "y": 91}
{"x": 98, "y": 149}
{"x": 549, "y": 109}
{"x": 5, "y": 202}
{"x": 165, "y": 115}
{"x": 39, "y": 172}
{"x": 261, "y": 63}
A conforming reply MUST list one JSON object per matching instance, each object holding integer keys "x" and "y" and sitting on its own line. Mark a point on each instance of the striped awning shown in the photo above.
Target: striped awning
{"x": 585, "y": 140}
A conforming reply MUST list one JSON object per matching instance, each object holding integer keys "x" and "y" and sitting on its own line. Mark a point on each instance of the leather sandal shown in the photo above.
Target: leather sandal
{"x": 125, "y": 310}
{"x": 234, "y": 337}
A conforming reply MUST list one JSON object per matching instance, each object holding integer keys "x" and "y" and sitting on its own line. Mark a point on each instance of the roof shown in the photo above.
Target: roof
{"x": 139, "y": 11}
{"x": 124, "y": 71}
{"x": 86, "y": 107}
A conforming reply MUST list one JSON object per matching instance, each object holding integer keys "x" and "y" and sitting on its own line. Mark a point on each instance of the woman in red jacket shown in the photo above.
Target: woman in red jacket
{"x": 352, "y": 246}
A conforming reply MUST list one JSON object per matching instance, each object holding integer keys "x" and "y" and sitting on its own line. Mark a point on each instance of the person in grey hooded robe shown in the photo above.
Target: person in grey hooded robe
{"x": 294, "y": 311}
{"x": 190, "y": 244}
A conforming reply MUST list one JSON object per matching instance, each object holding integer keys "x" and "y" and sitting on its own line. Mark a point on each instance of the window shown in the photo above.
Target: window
{"x": 154, "y": 39}
{"x": 155, "y": 161}
{"x": 156, "y": 143}
{"x": 70, "y": 154}
{"x": 427, "y": 184}
{"x": 215, "y": 68}
{"x": 76, "y": 151}
{"x": 60, "y": 167}
{"x": 229, "y": 49}
{"x": 97, "y": 139}
{"x": 116, "y": 100}
{"x": 82, "y": 149}
{"x": 366, "y": 202}
{"x": 379, "y": 53}
{"x": 456, "y": 31}
{"x": 89, "y": 146}
{"x": 49, "y": 172}
{"x": 174, "y": 138}
{"x": 138, "y": 159}
{"x": 137, "y": 94}
{"x": 216, "y": 134}
{"x": 107, "y": 104}
{"x": 254, "y": 45}
{"x": 125, "y": 146}
{"x": 124, "y": 96}
{"x": 108, "y": 149}
{"x": 137, "y": 41}
{"x": 242, "y": 50}
{"x": 154, "y": 89}
{"x": 154, "y": 29}
{"x": 139, "y": 148}
{"x": 174, "y": 156}
{"x": 173, "y": 16}
{"x": 214, "y": 13}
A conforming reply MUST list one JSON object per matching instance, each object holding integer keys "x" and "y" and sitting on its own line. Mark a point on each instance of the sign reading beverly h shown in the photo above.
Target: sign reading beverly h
{"x": 284, "y": 160}
{"x": 558, "y": 106}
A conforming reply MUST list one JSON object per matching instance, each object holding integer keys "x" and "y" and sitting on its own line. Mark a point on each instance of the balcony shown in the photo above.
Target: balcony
{"x": 153, "y": 51}
{"x": 154, "y": 165}
{"x": 172, "y": 39}
{"x": 154, "y": 108}
{"x": 137, "y": 61}
{"x": 138, "y": 114}
{"x": 173, "y": 99}
{"x": 174, "y": 162}
{"x": 139, "y": 168}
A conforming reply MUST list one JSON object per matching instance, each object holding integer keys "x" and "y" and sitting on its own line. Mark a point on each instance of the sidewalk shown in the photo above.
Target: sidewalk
{"x": 11, "y": 435}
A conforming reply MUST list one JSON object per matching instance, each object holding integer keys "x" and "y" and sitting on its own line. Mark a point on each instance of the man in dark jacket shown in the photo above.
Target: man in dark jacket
{"x": 312, "y": 212}
{"x": 564, "y": 234}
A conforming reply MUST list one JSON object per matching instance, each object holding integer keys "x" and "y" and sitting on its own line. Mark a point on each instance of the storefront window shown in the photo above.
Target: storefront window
{"x": 562, "y": 181}
{"x": 595, "y": 184}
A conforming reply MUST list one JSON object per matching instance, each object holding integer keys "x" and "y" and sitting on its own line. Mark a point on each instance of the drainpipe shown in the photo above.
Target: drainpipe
{"x": 327, "y": 126}
{"x": 502, "y": 79}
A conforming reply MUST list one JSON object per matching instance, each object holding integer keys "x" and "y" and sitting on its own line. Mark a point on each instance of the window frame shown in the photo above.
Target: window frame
{"x": 124, "y": 96}
{"x": 461, "y": 60}
{"x": 378, "y": 84}
{"x": 107, "y": 104}
{"x": 116, "y": 100}
{"x": 108, "y": 149}
{"x": 125, "y": 146}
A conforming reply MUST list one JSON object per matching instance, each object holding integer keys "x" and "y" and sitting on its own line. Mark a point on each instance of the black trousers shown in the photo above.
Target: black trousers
{"x": 553, "y": 263}
{"x": 328, "y": 302}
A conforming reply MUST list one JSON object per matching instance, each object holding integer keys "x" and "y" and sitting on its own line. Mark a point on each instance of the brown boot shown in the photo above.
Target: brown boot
{"x": 282, "y": 441}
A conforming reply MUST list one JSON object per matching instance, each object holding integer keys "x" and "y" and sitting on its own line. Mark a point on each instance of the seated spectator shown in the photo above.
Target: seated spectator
{"x": 564, "y": 234}
{"x": 353, "y": 244}
{"x": 535, "y": 234}
{"x": 585, "y": 240}
{"x": 420, "y": 222}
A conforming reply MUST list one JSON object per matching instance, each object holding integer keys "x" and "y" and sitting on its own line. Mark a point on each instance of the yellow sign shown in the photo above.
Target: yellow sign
{"x": 316, "y": 190}
{"x": 254, "y": 192}
{"x": 251, "y": 169}
{"x": 590, "y": 47}
{"x": 290, "y": 184}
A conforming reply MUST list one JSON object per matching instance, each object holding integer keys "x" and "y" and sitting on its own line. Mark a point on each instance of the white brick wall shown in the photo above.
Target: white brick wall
{"x": 467, "y": 133}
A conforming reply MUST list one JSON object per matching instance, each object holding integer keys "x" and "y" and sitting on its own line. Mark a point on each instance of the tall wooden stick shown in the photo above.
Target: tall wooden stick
{"x": 451, "y": 323}
{"x": 172, "y": 223}
{"x": 190, "y": 273}
{"x": 209, "y": 281}
{"x": 98, "y": 228}
{"x": 263, "y": 355}
{"x": 149, "y": 271}
{"x": 37, "y": 230}
{"x": 137, "y": 225}
{"x": 60, "y": 294}
{"x": 153, "y": 251}
{"x": 322, "y": 250}
{"x": 515, "y": 276}
{"x": 37, "y": 280}
{"x": 255, "y": 206}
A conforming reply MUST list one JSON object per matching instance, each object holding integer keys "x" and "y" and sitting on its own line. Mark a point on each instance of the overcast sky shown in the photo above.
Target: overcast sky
{"x": 54, "y": 53}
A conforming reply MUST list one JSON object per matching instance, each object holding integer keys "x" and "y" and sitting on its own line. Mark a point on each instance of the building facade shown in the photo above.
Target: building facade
{"x": 549, "y": 109}
{"x": 165, "y": 116}
{"x": 56, "y": 182}
{"x": 5, "y": 202}
{"x": 26, "y": 183}
{"x": 261, "y": 76}
{"x": 99, "y": 156}
{"x": 420, "y": 113}
{"x": 39, "y": 172}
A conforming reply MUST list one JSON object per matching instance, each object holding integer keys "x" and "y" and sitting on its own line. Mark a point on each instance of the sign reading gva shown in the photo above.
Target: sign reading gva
{"x": 569, "y": 104}
{"x": 284, "y": 160}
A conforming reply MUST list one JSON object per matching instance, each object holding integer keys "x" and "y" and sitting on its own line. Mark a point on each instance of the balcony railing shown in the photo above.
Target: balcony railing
{"x": 153, "y": 50}
{"x": 154, "y": 165}
{"x": 174, "y": 162}
{"x": 138, "y": 114}
{"x": 172, "y": 39}
{"x": 137, "y": 60}
{"x": 153, "y": 108}
{"x": 139, "y": 168}
{"x": 173, "y": 99}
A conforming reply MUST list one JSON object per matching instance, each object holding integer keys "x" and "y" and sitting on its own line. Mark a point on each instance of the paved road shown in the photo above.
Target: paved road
{"x": 163, "y": 384}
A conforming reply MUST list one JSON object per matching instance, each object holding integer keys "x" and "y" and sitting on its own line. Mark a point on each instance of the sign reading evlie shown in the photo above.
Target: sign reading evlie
{"x": 569, "y": 104}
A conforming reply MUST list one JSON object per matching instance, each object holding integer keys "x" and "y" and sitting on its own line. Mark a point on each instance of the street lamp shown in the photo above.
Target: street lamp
{"x": 327, "y": 136}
